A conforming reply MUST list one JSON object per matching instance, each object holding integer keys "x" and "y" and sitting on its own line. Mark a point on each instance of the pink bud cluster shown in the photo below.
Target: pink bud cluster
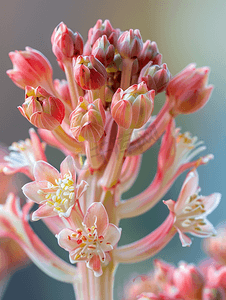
{"x": 185, "y": 282}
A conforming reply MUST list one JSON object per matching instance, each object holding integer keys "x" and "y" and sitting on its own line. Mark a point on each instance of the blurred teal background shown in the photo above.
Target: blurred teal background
{"x": 185, "y": 31}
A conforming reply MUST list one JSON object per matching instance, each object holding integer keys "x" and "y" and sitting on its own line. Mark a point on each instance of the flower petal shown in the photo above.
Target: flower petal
{"x": 44, "y": 171}
{"x": 95, "y": 265}
{"x": 64, "y": 241}
{"x": 81, "y": 188}
{"x": 185, "y": 240}
{"x": 97, "y": 214}
{"x": 112, "y": 236}
{"x": 189, "y": 188}
{"x": 67, "y": 165}
{"x": 211, "y": 202}
{"x": 206, "y": 230}
{"x": 31, "y": 189}
{"x": 44, "y": 211}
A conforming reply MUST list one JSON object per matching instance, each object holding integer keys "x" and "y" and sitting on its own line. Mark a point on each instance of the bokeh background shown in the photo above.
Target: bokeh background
{"x": 185, "y": 31}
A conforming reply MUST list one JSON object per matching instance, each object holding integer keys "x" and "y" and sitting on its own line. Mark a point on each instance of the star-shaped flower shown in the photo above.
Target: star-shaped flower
{"x": 93, "y": 240}
{"x": 191, "y": 210}
{"x": 56, "y": 192}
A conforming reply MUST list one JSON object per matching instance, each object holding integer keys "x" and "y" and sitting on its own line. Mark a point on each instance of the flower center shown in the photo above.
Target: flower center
{"x": 186, "y": 139}
{"x": 192, "y": 211}
{"x": 62, "y": 196}
{"x": 89, "y": 243}
{"x": 22, "y": 154}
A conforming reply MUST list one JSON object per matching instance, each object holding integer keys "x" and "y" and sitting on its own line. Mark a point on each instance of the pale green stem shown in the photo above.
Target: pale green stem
{"x": 67, "y": 141}
{"x": 73, "y": 86}
{"x": 126, "y": 72}
{"x": 148, "y": 246}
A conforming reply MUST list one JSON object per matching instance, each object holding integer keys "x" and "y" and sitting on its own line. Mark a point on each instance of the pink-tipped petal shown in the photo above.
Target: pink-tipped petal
{"x": 189, "y": 188}
{"x": 65, "y": 241}
{"x": 68, "y": 165}
{"x": 112, "y": 236}
{"x": 31, "y": 189}
{"x": 44, "y": 171}
{"x": 81, "y": 188}
{"x": 96, "y": 214}
{"x": 185, "y": 240}
{"x": 95, "y": 265}
{"x": 43, "y": 211}
{"x": 211, "y": 202}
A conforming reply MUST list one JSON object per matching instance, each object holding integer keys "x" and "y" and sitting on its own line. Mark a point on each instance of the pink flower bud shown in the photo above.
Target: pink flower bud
{"x": 103, "y": 50}
{"x": 188, "y": 90}
{"x": 89, "y": 72}
{"x": 101, "y": 28}
{"x": 156, "y": 77}
{"x": 87, "y": 121}
{"x": 215, "y": 246}
{"x": 189, "y": 281}
{"x": 65, "y": 43}
{"x": 30, "y": 67}
{"x": 150, "y": 52}
{"x": 42, "y": 109}
{"x": 130, "y": 44}
{"x": 133, "y": 107}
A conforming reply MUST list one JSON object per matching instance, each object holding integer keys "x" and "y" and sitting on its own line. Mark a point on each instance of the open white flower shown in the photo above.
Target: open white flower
{"x": 191, "y": 210}
{"x": 56, "y": 192}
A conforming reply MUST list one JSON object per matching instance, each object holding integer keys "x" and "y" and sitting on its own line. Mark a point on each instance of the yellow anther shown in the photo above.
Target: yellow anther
{"x": 77, "y": 256}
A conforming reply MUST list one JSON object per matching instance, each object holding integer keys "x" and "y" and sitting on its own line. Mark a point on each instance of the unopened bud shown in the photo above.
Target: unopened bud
{"x": 30, "y": 67}
{"x": 188, "y": 90}
{"x": 156, "y": 77}
{"x": 89, "y": 72}
{"x": 103, "y": 50}
{"x": 42, "y": 109}
{"x": 133, "y": 107}
{"x": 101, "y": 28}
{"x": 130, "y": 44}
{"x": 149, "y": 53}
{"x": 189, "y": 281}
{"x": 87, "y": 121}
{"x": 65, "y": 43}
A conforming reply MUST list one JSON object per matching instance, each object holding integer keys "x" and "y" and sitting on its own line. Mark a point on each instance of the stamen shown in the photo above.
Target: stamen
{"x": 62, "y": 195}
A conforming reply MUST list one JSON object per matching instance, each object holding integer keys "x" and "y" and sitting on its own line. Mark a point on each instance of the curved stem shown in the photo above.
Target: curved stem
{"x": 144, "y": 201}
{"x": 147, "y": 246}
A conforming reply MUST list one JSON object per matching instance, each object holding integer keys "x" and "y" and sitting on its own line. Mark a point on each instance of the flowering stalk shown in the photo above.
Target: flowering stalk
{"x": 101, "y": 119}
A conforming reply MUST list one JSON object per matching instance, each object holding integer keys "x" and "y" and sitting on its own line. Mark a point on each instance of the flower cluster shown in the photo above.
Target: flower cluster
{"x": 187, "y": 281}
{"x": 100, "y": 117}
